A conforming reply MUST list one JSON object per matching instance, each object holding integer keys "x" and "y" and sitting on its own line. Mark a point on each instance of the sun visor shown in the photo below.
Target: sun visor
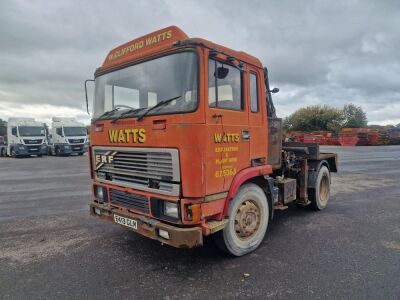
{"x": 144, "y": 46}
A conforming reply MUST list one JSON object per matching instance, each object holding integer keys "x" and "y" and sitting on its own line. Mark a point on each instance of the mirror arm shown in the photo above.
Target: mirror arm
{"x": 87, "y": 101}
{"x": 271, "y": 112}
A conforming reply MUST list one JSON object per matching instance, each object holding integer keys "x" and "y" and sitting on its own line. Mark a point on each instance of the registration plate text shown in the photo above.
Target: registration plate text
{"x": 125, "y": 221}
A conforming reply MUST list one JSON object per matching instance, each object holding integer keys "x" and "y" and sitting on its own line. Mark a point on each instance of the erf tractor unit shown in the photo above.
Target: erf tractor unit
{"x": 185, "y": 143}
{"x": 68, "y": 136}
{"x": 26, "y": 137}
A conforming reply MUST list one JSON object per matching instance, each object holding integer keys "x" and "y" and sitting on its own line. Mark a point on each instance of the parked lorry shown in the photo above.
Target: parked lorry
{"x": 185, "y": 143}
{"x": 25, "y": 137}
{"x": 68, "y": 136}
{"x": 2, "y": 146}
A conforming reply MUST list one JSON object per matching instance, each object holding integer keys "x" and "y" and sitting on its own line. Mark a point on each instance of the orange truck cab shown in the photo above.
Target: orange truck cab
{"x": 185, "y": 143}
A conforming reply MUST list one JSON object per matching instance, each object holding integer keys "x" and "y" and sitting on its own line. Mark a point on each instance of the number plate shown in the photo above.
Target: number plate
{"x": 125, "y": 221}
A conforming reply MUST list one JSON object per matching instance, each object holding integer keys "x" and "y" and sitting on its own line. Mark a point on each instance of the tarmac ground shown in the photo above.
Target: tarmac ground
{"x": 50, "y": 247}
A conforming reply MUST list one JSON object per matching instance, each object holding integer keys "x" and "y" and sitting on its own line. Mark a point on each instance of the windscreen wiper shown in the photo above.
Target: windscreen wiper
{"x": 107, "y": 113}
{"x": 161, "y": 103}
{"x": 110, "y": 112}
{"x": 128, "y": 112}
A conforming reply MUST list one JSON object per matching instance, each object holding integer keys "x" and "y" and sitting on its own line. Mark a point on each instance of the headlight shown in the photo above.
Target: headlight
{"x": 21, "y": 147}
{"x": 171, "y": 209}
{"x": 100, "y": 193}
{"x": 66, "y": 147}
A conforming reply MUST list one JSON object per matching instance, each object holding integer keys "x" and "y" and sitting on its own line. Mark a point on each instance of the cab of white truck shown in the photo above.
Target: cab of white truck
{"x": 26, "y": 137}
{"x": 68, "y": 136}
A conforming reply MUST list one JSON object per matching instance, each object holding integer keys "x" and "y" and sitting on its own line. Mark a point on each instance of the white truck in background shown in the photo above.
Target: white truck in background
{"x": 67, "y": 137}
{"x": 2, "y": 146}
{"x": 25, "y": 137}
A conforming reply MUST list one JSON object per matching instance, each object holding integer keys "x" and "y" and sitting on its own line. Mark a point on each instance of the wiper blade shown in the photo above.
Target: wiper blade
{"x": 110, "y": 112}
{"x": 128, "y": 112}
{"x": 161, "y": 103}
{"x": 107, "y": 113}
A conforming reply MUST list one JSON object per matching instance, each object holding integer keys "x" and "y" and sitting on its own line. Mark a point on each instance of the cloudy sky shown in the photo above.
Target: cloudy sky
{"x": 318, "y": 52}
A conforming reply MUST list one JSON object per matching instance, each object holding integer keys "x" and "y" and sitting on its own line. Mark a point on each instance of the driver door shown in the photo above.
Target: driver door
{"x": 228, "y": 126}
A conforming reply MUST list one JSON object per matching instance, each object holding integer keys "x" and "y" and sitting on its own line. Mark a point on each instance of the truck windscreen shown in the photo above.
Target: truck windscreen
{"x": 31, "y": 131}
{"x": 75, "y": 131}
{"x": 143, "y": 85}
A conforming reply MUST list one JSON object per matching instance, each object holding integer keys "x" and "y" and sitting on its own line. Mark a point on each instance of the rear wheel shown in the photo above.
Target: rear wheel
{"x": 248, "y": 221}
{"x": 320, "y": 195}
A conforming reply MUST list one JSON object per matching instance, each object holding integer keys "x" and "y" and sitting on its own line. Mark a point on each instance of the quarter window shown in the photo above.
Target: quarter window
{"x": 253, "y": 93}
{"x": 224, "y": 86}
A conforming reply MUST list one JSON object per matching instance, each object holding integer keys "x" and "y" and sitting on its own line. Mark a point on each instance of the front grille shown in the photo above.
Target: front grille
{"x": 133, "y": 201}
{"x": 77, "y": 148}
{"x": 33, "y": 149}
{"x": 76, "y": 141}
{"x": 148, "y": 169}
{"x": 29, "y": 142}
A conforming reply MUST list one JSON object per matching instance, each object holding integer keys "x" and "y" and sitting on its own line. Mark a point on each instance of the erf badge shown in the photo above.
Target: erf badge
{"x": 106, "y": 158}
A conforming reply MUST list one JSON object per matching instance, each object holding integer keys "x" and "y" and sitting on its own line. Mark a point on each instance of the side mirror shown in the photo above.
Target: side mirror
{"x": 86, "y": 93}
{"x": 274, "y": 91}
{"x": 222, "y": 72}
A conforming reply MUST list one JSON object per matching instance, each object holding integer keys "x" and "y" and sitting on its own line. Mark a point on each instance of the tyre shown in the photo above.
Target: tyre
{"x": 80, "y": 153}
{"x": 40, "y": 155}
{"x": 13, "y": 154}
{"x": 319, "y": 196}
{"x": 57, "y": 151}
{"x": 248, "y": 221}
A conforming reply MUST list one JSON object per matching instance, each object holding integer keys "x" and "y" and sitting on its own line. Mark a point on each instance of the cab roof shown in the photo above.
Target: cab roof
{"x": 159, "y": 41}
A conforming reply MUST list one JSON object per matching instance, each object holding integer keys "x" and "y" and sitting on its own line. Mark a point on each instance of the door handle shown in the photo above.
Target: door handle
{"x": 245, "y": 135}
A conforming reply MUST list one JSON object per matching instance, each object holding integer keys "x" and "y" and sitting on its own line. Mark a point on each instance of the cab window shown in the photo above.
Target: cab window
{"x": 224, "y": 86}
{"x": 59, "y": 131}
{"x": 14, "y": 131}
{"x": 253, "y": 93}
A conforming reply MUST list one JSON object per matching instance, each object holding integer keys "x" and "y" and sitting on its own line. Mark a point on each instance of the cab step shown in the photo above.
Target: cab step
{"x": 214, "y": 225}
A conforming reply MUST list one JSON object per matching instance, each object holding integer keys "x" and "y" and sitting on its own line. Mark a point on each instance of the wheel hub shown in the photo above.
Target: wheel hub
{"x": 247, "y": 219}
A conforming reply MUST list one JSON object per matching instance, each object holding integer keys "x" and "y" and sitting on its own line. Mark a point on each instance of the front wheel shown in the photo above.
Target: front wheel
{"x": 248, "y": 221}
{"x": 13, "y": 153}
{"x": 320, "y": 195}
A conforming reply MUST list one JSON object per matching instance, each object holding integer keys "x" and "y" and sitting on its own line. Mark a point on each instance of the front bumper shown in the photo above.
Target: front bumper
{"x": 72, "y": 148}
{"x": 178, "y": 237}
{"x": 25, "y": 150}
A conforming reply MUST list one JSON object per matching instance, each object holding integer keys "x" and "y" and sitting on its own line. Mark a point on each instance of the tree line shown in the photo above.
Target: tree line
{"x": 324, "y": 117}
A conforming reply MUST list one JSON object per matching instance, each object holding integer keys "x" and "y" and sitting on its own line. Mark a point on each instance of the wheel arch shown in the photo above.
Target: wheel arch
{"x": 252, "y": 174}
